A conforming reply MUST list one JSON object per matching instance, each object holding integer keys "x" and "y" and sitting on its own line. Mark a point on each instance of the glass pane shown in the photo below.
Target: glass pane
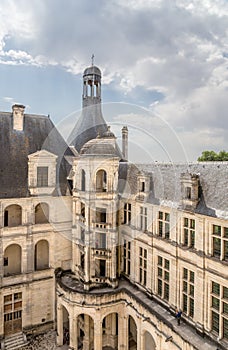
{"x": 185, "y": 287}
{"x": 191, "y": 290}
{"x": 225, "y": 308}
{"x": 215, "y": 303}
{"x": 226, "y": 232}
{"x": 145, "y": 253}
{"x": 215, "y": 322}
{"x": 167, "y": 217}
{"x": 192, "y": 224}
{"x": 191, "y": 307}
{"x": 215, "y": 288}
{"x": 185, "y": 236}
{"x": 166, "y": 276}
{"x": 160, "y": 287}
{"x": 185, "y": 222}
{"x": 225, "y": 328}
{"x": 216, "y": 247}
{"x": 192, "y": 276}
{"x": 185, "y": 274}
{"x": 167, "y": 264}
{"x": 166, "y": 291}
{"x": 192, "y": 243}
{"x": 160, "y": 260}
{"x": 7, "y": 298}
{"x": 185, "y": 303}
{"x": 225, "y": 293}
{"x": 217, "y": 230}
{"x": 226, "y": 250}
{"x": 160, "y": 228}
{"x": 159, "y": 272}
{"x": 160, "y": 215}
{"x": 167, "y": 231}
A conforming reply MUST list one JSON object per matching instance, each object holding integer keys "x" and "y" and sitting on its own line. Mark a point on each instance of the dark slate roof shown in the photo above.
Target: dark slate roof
{"x": 90, "y": 125}
{"x": 15, "y": 146}
{"x": 165, "y": 185}
{"x": 92, "y": 70}
{"x": 101, "y": 146}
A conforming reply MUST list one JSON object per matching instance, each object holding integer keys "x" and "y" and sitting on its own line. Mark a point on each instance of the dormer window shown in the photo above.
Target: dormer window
{"x": 189, "y": 191}
{"x": 143, "y": 185}
{"x": 42, "y": 172}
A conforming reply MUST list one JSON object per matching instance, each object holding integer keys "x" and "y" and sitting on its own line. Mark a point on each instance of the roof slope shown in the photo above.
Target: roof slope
{"x": 165, "y": 186}
{"x": 39, "y": 133}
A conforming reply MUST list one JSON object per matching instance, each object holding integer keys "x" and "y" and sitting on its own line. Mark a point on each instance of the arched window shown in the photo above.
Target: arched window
{"x": 132, "y": 333}
{"x": 42, "y": 213}
{"x": 42, "y": 255}
{"x": 83, "y": 180}
{"x": 12, "y": 260}
{"x": 101, "y": 181}
{"x": 12, "y": 215}
{"x": 149, "y": 343}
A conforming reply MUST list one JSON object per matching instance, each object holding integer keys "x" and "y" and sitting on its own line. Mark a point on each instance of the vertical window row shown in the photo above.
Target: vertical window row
{"x": 219, "y": 310}
{"x": 142, "y": 265}
{"x": 163, "y": 224}
{"x": 127, "y": 257}
{"x": 163, "y": 280}
{"x": 188, "y": 292}
{"x": 143, "y": 218}
{"x": 220, "y": 242}
{"x": 189, "y": 232}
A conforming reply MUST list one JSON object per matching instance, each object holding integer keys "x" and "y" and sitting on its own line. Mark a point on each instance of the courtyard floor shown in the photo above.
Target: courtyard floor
{"x": 45, "y": 341}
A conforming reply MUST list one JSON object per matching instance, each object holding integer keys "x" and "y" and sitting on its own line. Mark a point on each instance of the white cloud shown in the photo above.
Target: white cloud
{"x": 178, "y": 48}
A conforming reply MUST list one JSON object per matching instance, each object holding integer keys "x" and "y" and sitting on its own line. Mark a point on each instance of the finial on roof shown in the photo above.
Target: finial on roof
{"x": 92, "y": 59}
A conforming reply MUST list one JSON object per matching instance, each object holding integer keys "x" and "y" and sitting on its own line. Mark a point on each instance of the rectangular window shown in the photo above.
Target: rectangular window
{"x": 219, "y": 310}
{"x": 220, "y": 242}
{"x": 127, "y": 213}
{"x": 143, "y": 218}
{"x": 127, "y": 257}
{"x": 164, "y": 224}
{"x": 163, "y": 278}
{"x": 42, "y": 176}
{"x": 188, "y": 278}
{"x": 189, "y": 233}
{"x": 142, "y": 266}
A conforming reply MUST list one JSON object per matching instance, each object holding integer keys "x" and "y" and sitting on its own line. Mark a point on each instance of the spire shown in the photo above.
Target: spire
{"x": 92, "y": 59}
{"x": 91, "y": 122}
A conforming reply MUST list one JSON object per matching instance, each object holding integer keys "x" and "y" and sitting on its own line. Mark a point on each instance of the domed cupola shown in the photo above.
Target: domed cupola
{"x": 91, "y": 86}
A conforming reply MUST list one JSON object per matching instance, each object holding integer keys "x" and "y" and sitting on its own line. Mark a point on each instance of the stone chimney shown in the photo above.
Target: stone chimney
{"x": 125, "y": 142}
{"x": 18, "y": 117}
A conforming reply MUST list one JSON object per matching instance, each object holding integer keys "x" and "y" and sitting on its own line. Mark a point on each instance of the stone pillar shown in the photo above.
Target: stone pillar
{"x": 86, "y": 340}
{"x": 123, "y": 332}
{"x": 97, "y": 334}
{"x": 73, "y": 333}
{"x": 139, "y": 336}
{"x": 59, "y": 325}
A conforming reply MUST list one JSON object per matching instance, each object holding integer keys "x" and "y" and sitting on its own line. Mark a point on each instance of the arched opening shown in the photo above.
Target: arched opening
{"x": 110, "y": 332}
{"x": 132, "y": 334}
{"x": 101, "y": 181}
{"x": 85, "y": 332}
{"x": 83, "y": 180}
{"x": 149, "y": 343}
{"x": 12, "y": 215}
{"x": 66, "y": 328}
{"x": 42, "y": 213}
{"x": 12, "y": 260}
{"x": 42, "y": 255}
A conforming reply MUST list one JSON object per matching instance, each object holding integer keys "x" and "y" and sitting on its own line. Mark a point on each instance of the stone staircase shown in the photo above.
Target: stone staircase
{"x": 15, "y": 341}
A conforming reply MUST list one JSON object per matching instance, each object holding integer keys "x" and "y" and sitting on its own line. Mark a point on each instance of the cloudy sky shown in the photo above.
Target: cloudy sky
{"x": 166, "y": 60}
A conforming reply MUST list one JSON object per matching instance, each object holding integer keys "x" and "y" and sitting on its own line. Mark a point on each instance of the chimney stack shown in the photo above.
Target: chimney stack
{"x": 125, "y": 142}
{"x": 18, "y": 117}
